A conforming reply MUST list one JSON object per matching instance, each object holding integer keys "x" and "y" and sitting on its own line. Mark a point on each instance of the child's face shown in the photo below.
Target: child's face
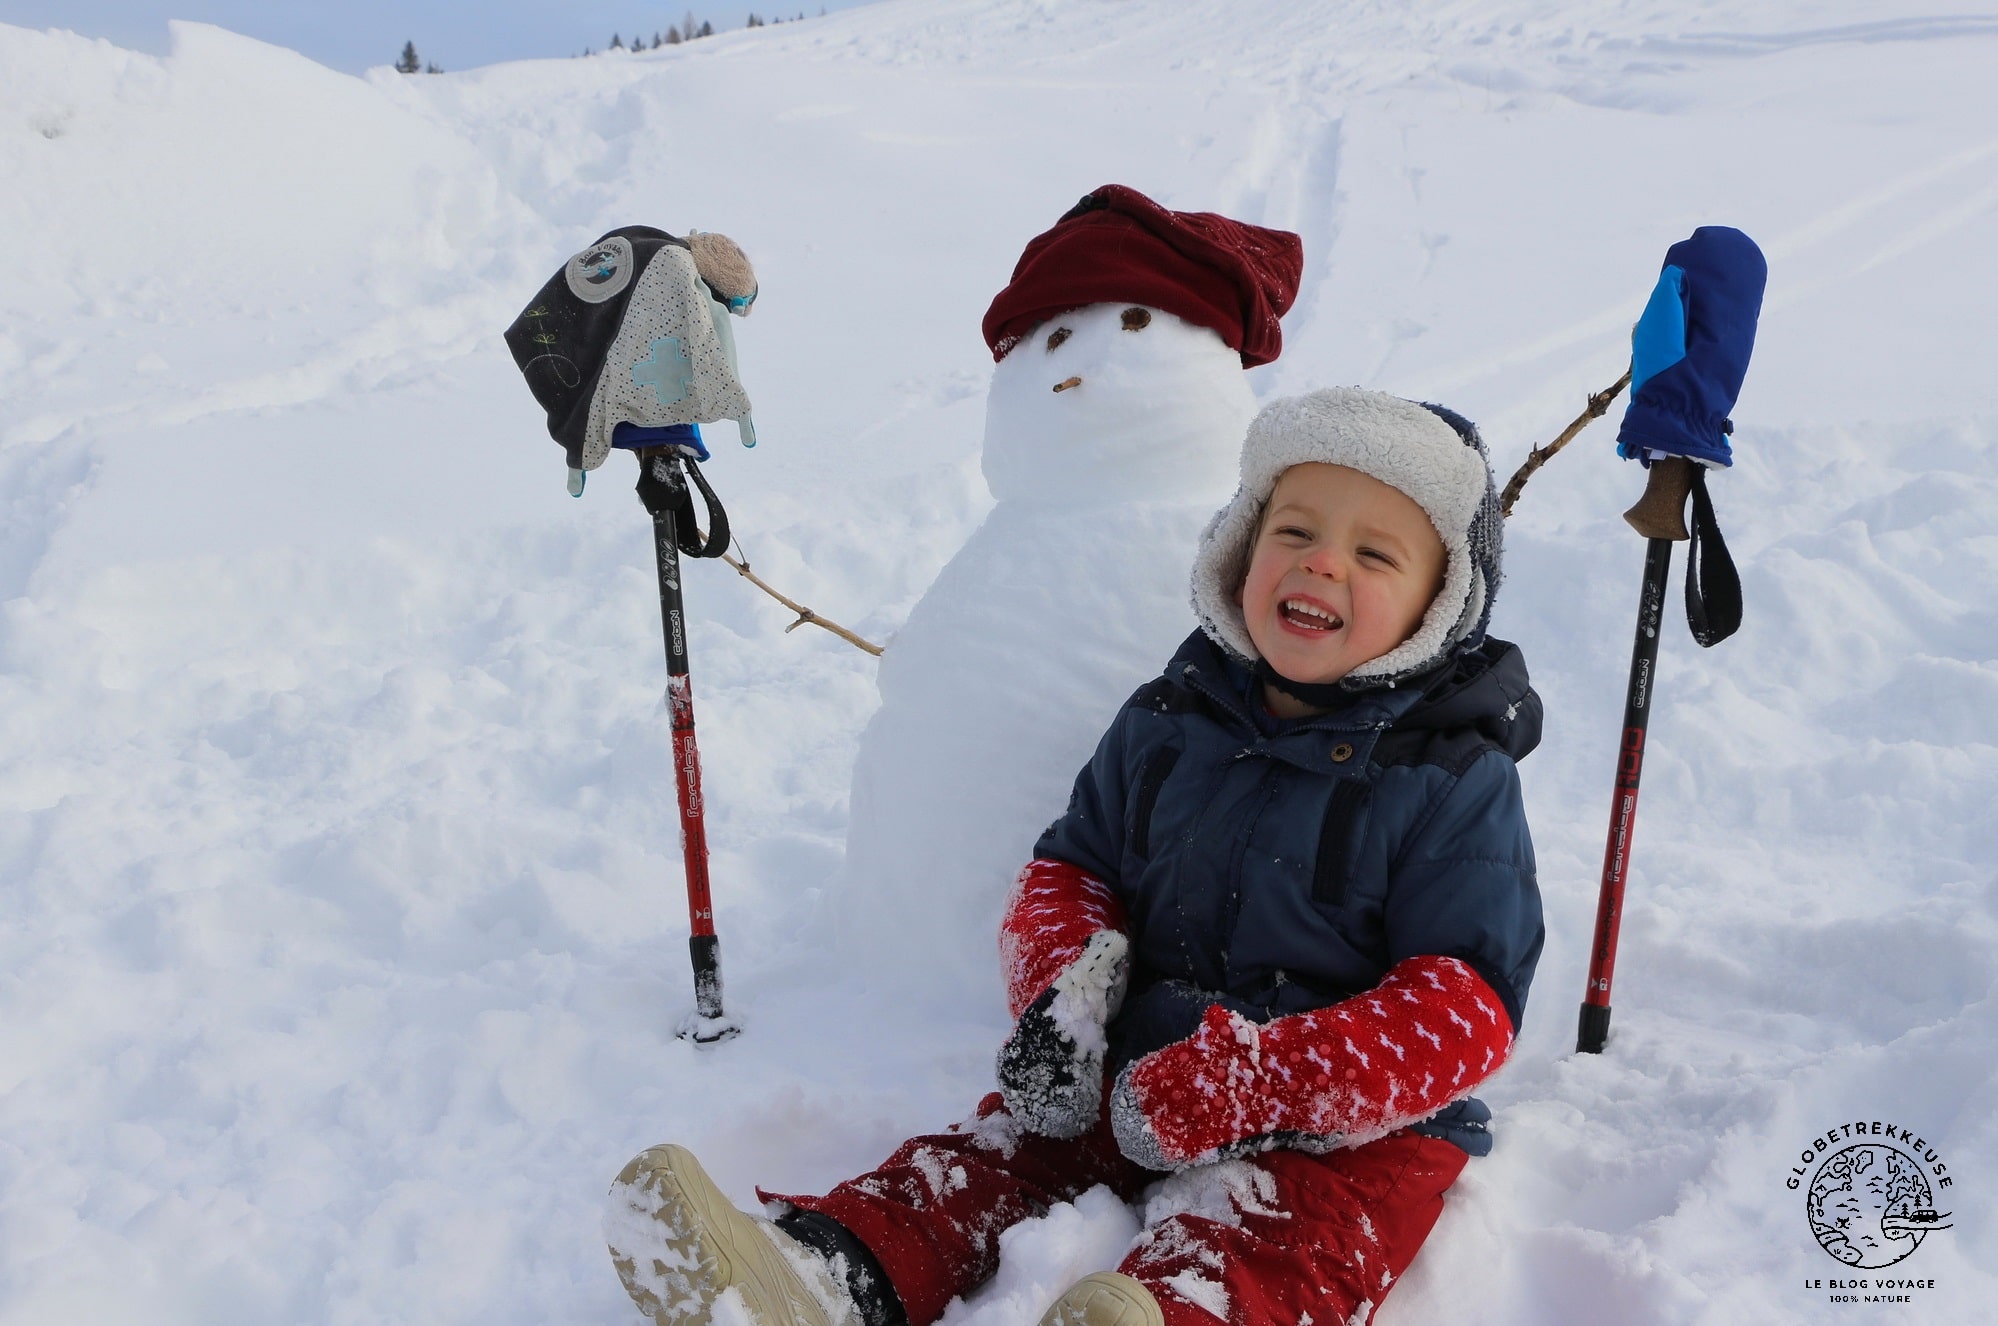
{"x": 1342, "y": 570}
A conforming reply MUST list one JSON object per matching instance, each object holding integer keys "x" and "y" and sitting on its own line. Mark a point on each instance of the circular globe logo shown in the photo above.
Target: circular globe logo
{"x": 1871, "y": 1205}
{"x": 601, "y": 271}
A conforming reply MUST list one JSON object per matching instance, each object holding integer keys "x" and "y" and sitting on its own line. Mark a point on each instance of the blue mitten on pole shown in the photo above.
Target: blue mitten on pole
{"x": 1691, "y": 347}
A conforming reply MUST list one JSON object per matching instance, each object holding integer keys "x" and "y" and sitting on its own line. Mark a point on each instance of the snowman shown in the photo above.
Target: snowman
{"x": 1116, "y": 411}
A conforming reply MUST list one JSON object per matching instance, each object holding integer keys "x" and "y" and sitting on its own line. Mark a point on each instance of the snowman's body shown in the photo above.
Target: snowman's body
{"x": 1070, "y": 595}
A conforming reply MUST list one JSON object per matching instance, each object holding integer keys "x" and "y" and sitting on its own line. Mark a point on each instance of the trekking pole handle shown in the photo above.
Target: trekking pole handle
{"x": 1661, "y": 512}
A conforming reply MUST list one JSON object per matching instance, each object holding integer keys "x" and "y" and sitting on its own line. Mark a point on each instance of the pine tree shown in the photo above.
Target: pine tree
{"x": 707, "y": 29}
{"x": 687, "y": 26}
{"x": 672, "y": 36}
{"x": 431, "y": 67}
{"x": 754, "y": 21}
{"x": 617, "y": 43}
{"x": 410, "y": 63}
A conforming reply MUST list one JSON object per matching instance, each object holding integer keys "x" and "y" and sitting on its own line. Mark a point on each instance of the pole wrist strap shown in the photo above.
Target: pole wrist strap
{"x": 1713, "y": 586}
{"x": 668, "y": 492}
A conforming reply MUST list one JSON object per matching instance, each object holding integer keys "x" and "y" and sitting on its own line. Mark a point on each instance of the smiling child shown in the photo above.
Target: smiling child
{"x": 1284, "y": 928}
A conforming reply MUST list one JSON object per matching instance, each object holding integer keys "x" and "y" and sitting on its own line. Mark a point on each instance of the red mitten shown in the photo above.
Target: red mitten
{"x": 1339, "y": 1076}
{"x": 1067, "y": 961}
{"x": 1051, "y": 914}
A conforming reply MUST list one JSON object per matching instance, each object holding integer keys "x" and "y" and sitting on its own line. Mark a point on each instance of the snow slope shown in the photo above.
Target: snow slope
{"x": 342, "y": 942}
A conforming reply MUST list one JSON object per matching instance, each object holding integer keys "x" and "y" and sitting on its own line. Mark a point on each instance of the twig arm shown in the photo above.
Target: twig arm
{"x": 1597, "y": 407}
{"x": 805, "y": 614}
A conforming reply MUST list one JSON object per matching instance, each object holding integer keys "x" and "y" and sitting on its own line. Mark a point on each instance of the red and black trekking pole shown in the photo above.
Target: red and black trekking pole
{"x": 623, "y": 360}
{"x": 1658, "y": 516}
{"x": 662, "y": 487}
{"x": 1689, "y": 354}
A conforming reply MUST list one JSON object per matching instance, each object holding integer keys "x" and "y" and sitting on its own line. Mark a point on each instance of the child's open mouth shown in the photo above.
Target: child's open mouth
{"x": 1309, "y": 616}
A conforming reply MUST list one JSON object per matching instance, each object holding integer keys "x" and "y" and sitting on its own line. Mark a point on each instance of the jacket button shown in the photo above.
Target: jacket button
{"x": 1342, "y": 752}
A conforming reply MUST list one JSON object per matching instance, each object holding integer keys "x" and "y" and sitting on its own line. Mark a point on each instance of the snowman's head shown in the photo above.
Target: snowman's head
{"x": 1120, "y": 342}
{"x": 1115, "y": 402}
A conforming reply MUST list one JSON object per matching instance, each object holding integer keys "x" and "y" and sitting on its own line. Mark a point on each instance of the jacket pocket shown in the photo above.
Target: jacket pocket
{"x": 1339, "y": 841}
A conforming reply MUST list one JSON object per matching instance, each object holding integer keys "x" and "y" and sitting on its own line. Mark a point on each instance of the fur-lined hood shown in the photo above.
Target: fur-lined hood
{"x": 1425, "y": 451}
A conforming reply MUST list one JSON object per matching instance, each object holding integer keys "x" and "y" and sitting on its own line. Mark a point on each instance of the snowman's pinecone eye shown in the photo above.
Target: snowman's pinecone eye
{"x": 1137, "y": 319}
{"x": 1057, "y": 336}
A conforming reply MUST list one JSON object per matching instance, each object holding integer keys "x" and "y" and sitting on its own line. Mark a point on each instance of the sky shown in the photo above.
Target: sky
{"x": 353, "y": 35}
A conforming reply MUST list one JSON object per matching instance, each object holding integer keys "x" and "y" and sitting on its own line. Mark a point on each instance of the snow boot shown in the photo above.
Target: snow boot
{"x": 679, "y": 1245}
{"x": 1105, "y": 1299}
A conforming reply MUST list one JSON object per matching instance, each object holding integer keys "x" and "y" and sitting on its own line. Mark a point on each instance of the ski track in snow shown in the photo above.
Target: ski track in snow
{"x": 343, "y": 941}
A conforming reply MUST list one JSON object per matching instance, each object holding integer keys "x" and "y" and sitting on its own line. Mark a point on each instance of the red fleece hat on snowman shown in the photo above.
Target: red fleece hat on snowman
{"x": 1117, "y": 245}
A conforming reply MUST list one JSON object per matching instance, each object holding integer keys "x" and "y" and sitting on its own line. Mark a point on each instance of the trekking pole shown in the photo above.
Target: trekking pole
{"x": 1659, "y": 516}
{"x": 662, "y": 487}
{"x": 623, "y": 360}
{"x": 1689, "y": 354}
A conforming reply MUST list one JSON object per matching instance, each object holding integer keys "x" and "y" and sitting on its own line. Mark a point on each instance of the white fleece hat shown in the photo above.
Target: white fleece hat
{"x": 1425, "y": 451}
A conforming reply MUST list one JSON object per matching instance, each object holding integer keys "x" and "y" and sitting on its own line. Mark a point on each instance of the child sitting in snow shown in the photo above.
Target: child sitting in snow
{"x": 1284, "y": 927}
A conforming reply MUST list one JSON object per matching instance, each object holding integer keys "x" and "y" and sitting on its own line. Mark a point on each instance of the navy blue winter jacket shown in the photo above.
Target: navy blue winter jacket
{"x": 1277, "y": 873}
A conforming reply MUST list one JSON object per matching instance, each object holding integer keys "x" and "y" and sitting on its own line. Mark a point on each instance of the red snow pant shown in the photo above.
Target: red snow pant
{"x": 1325, "y": 1235}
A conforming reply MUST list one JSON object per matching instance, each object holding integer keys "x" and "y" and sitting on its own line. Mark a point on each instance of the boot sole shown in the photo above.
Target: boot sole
{"x": 1105, "y": 1299}
{"x": 679, "y": 1244}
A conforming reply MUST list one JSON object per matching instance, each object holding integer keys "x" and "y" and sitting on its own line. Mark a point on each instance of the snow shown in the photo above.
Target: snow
{"x": 342, "y": 945}
{"x": 1041, "y": 1257}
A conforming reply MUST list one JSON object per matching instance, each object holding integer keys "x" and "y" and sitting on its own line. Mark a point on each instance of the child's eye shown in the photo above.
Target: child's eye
{"x": 1377, "y": 556}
